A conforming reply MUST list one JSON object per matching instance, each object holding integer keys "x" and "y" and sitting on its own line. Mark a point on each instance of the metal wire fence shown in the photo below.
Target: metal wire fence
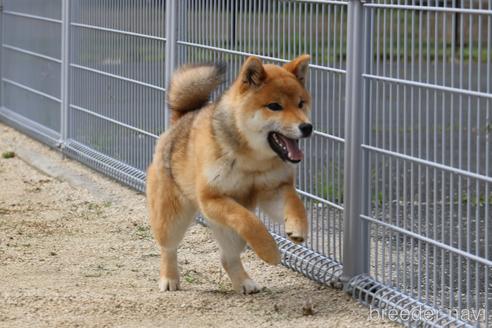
{"x": 397, "y": 179}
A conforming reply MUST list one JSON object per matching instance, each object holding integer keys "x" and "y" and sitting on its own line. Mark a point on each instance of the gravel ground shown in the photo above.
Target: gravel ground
{"x": 81, "y": 255}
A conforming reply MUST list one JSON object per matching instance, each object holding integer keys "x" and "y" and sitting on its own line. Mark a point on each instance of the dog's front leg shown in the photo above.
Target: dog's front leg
{"x": 283, "y": 203}
{"x": 227, "y": 212}
{"x": 296, "y": 223}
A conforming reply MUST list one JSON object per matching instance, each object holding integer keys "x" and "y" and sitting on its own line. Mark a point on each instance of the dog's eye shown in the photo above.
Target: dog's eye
{"x": 301, "y": 104}
{"x": 274, "y": 106}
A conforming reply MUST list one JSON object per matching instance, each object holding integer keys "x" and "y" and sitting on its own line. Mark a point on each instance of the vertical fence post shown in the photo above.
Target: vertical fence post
{"x": 171, "y": 37}
{"x": 65, "y": 67}
{"x": 355, "y": 241}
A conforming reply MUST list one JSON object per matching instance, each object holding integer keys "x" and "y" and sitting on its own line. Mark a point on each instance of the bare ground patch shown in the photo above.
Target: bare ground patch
{"x": 70, "y": 257}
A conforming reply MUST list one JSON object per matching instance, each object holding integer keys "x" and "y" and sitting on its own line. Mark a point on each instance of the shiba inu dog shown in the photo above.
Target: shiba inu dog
{"x": 226, "y": 158}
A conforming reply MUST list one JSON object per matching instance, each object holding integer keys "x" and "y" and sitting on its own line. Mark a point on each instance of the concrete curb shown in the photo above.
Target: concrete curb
{"x": 55, "y": 168}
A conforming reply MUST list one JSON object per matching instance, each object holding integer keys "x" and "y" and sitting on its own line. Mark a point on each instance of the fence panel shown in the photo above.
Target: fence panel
{"x": 429, "y": 150}
{"x": 31, "y": 67}
{"x": 116, "y": 109}
{"x": 277, "y": 32}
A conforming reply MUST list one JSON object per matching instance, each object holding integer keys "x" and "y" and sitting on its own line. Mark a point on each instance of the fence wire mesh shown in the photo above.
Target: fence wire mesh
{"x": 89, "y": 76}
{"x": 428, "y": 141}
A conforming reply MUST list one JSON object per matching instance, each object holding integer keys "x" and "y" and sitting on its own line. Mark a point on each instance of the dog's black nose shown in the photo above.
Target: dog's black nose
{"x": 306, "y": 129}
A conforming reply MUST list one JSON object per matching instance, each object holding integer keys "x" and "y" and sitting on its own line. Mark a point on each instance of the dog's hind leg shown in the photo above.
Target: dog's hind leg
{"x": 169, "y": 235}
{"x": 170, "y": 216}
{"x": 231, "y": 245}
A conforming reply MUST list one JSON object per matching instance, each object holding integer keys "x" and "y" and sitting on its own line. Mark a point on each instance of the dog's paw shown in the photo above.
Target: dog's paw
{"x": 266, "y": 248}
{"x": 166, "y": 284}
{"x": 296, "y": 230}
{"x": 248, "y": 286}
{"x": 270, "y": 255}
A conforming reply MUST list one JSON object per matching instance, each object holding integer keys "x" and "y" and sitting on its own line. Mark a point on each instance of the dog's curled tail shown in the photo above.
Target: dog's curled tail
{"x": 191, "y": 86}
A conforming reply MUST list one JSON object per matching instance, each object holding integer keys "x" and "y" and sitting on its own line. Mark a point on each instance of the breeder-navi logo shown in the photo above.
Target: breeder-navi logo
{"x": 426, "y": 314}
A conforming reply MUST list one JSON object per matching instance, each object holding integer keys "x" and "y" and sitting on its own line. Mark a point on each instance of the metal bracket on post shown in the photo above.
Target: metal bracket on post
{"x": 171, "y": 37}
{"x": 355, "y": 241}
{"x": 65, "y": 66}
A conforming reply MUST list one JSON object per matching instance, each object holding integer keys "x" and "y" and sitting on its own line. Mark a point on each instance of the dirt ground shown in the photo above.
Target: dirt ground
{"x": 81, "y": 255}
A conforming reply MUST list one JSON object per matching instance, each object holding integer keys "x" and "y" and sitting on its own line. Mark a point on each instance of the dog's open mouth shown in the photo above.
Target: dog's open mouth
{"x": 286, "y": 148}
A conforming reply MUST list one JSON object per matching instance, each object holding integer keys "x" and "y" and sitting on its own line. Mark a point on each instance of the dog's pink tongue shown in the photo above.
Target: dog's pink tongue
{"x": 295, "y": 153}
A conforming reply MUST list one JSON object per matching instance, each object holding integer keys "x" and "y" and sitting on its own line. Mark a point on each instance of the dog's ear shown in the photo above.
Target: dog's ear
{"x": 299, "y": 67}
{"x": 252, "y": 73}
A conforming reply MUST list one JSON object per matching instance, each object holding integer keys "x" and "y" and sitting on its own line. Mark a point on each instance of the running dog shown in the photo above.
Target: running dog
{"x": 228, "y": 157}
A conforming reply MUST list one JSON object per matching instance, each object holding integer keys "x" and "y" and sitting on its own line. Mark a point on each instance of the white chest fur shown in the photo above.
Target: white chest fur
{"x": 231, "y": 177}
